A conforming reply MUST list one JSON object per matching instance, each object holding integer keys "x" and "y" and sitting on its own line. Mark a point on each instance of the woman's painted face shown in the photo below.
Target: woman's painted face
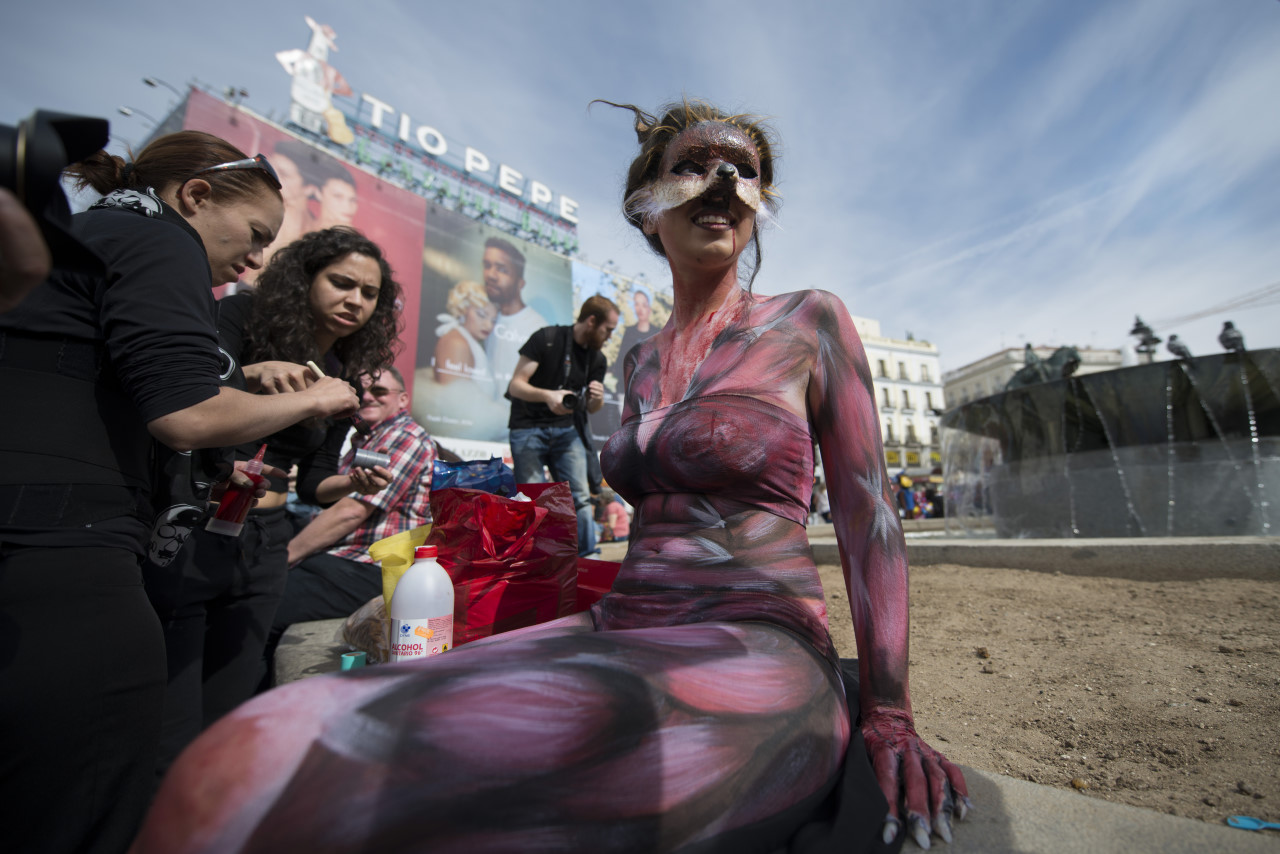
{"x": 478, "y": 320}
{"x": 709, "y": 159}
{"x": 344, "y": 295}
{"x": 703, "y": 208}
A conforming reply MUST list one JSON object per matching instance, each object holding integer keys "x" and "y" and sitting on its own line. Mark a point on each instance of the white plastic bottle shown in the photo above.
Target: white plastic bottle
{"x": 422, "y": 609}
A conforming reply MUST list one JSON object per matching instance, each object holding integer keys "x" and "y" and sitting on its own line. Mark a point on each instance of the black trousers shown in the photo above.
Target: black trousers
{"x": 322, "y": 587}
{"x": 217, "y": 625}
{"x": 81, "y": 685}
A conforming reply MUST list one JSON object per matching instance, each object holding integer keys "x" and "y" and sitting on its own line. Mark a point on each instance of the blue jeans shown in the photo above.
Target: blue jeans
{"x": 561, "y": 450}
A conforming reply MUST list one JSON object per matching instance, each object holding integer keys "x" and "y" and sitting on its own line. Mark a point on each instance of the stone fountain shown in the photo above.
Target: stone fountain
{"x": 1189, "y": 447}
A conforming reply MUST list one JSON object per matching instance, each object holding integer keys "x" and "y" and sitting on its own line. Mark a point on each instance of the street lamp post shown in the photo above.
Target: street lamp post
{"x": 155, "y": 81}
{"x": 134, "y": 111}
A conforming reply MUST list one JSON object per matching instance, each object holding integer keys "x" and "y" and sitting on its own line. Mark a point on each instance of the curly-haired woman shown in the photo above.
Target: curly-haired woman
{"x": 329, "y": 298}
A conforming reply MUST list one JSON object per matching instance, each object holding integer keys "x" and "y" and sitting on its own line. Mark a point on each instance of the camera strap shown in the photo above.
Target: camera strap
{"x": 568, "y": 355}
{"x": 568, "y": 363}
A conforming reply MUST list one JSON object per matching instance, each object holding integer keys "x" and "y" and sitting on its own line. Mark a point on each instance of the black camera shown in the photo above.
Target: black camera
{"x": 575, "y": 401}
{"x": 32, "y": 157}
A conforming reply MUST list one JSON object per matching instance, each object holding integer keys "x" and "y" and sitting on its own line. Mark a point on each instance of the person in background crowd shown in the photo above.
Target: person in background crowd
{"x": 616, "y": 519}
{"x": 556, "y": 362}
{"x": 98, "y": 369}
{"x": 820, "y": 504}
{"x": 331, "y": 573}
{"x": 503, "y": 267}
{"x": 327, "y": 298}
{"x": 906, "y": 496}
{"x": 936, "y": 501}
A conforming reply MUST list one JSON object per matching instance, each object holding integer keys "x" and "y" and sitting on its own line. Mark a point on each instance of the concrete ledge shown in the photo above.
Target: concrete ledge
{"x": 1016, "y": 817}
{"x": 1172, "y": 558}
{"x": 309, "y": 649}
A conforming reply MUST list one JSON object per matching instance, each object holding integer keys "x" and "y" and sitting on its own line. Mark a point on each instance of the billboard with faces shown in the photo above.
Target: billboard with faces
{"x": 483, "y": 294}
{"x": 472, "y": 293}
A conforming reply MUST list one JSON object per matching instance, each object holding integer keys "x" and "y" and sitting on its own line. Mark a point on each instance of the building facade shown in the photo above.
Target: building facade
{"x": 909, "y": 397}
{"x": 988, "y": 375}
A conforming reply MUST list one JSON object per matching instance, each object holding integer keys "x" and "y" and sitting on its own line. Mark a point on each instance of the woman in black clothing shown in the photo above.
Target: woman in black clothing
{"x": 328, "y": 297}
{"x": 93, "y": 368}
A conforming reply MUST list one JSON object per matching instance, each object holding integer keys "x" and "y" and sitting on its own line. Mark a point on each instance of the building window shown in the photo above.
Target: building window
{"x": 882, "y": 368}
{"x": 888, "y": 401}
{"x": 928, "y": 400}
{"x": 906, "y": 399}
{"x": 911, "y": 434}
{"x": 924, "y": 373}
{"x": 902, "y": 371}
{"x": 888, "y": 434}
{"x": 933, "y": 435}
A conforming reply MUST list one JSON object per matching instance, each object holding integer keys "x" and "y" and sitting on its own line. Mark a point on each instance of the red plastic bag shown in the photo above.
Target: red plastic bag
{"x": 595, "y": 578}
{"x": 513, "y": 563}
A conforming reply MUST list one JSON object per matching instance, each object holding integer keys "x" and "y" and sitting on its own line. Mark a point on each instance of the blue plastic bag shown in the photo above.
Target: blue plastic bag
{"x": 491, "y": 475}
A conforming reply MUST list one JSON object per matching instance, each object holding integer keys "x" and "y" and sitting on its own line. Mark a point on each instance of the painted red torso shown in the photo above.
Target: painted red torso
{"x": 720, "y": 481}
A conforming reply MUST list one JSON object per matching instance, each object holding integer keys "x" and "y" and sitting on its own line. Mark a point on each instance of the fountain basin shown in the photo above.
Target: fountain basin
{"x": 1179, "y": 448}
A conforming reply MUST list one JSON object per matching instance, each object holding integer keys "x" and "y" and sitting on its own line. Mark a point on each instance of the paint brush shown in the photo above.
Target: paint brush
{"x": 356, "y": 421}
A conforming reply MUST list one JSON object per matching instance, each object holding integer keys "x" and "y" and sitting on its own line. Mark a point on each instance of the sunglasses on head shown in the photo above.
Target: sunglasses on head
{"x": 257, "y": 162}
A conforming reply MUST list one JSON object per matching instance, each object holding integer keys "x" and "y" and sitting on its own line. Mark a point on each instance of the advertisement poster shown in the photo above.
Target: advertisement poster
{"x": 484, "y": 293}
{"x": 642, "y": 312}
{"x": 321, "y": 191}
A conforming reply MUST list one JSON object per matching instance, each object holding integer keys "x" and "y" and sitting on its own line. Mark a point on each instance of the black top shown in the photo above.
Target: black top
{"x": 86, "y": 361}
{"x": 313, "y": 444}
{"x": 548, "y": 348}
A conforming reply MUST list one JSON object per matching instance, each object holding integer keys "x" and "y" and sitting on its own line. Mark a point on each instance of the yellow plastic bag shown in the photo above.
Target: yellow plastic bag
{"x": 395, "y": 553}
{"x": 369, "y": 628}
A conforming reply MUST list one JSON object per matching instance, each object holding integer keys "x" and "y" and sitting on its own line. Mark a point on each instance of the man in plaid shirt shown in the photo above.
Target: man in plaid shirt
{"x": 331, "y": 572}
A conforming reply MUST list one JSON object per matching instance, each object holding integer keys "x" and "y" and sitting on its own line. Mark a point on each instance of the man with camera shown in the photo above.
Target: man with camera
{"x": 559, "y": 378}
{"x": 331, "y": 573}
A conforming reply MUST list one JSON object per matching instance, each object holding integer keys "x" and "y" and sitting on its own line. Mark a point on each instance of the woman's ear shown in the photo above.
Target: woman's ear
{"x": 193, "y": 195}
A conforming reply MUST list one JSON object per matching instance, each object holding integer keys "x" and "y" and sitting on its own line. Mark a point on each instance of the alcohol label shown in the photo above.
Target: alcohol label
{"x": 420, "y": 638}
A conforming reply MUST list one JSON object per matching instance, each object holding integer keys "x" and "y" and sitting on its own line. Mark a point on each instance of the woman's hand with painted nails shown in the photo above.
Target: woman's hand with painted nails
{"x": 911, "y": 772}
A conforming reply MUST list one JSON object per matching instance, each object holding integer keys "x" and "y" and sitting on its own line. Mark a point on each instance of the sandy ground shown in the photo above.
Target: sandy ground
{"x": 1157, "y": 694}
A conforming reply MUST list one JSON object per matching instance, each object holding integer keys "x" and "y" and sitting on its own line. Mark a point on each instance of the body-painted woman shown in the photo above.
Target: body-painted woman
{"x": 701, "y": 697}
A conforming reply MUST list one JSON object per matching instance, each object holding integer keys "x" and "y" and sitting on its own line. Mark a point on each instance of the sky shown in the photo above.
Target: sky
{"x": 977, "y": 174}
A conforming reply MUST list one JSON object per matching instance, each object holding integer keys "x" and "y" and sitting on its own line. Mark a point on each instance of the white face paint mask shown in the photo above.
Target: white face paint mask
{"x": 706, "y": 157}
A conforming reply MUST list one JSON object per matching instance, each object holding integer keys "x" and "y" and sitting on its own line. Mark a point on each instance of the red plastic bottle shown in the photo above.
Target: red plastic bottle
{"x": 234, "y": 507}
